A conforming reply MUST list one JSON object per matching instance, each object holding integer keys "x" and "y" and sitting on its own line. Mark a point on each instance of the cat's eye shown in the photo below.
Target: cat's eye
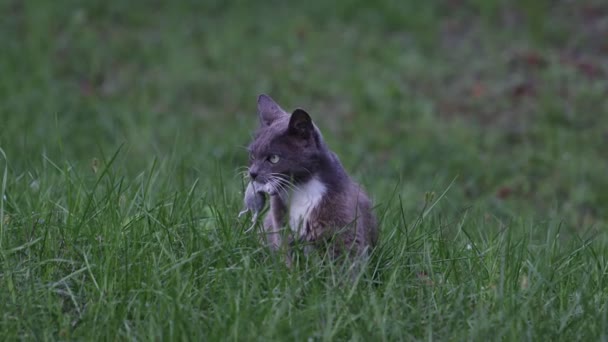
{"x": 273, "y": 158}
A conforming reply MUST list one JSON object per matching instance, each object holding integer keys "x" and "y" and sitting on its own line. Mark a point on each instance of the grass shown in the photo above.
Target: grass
{"x": 478, "y": 127}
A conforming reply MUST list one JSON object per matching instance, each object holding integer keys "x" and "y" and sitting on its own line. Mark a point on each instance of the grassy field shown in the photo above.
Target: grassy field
{"x": 480, "y": 129}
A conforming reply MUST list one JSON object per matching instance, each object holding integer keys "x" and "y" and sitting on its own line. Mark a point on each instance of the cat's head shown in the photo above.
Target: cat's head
{"x": 287, "y": 148}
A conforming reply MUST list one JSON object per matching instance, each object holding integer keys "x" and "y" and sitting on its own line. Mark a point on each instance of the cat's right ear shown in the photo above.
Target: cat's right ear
{"x": 268, "y": 110}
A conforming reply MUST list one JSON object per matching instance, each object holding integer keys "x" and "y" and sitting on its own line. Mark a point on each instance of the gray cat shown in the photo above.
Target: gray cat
{"x": 311, "y": 195}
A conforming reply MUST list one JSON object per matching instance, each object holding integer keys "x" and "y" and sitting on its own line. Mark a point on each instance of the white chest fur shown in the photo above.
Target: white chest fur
{"x": 303, "y": 200}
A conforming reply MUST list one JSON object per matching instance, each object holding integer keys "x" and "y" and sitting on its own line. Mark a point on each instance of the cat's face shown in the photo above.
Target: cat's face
{"x": 285, "y": 150}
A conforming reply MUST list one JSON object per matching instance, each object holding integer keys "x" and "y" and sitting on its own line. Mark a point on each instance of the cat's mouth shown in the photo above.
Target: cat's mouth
{"x": 266, "y": 188}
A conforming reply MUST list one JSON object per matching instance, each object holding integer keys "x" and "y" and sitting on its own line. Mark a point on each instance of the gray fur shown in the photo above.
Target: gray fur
{"x": 254, "y": 201}
{"x": 342, "y": 222}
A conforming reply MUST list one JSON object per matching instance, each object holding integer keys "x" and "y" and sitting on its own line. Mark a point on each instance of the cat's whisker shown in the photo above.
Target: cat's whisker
{"x": 244, "y": 177}
{"x": 288, "y": 185}
{"x": 240, "y": 176}
{"x": 284, "y": 183}
{"x": 242, "y": 171}
{"x": 273, "y": 185}
{"x": 278, "y": 184}
{"x": 307, "y": 170}
{"x": 278, "y": 187}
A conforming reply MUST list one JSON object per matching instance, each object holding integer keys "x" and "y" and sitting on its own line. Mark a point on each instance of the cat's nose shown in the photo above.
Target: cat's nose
{"x": 253, "y": 174}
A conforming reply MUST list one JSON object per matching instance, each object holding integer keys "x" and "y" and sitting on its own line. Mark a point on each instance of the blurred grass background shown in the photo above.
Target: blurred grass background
{"x": 510, "y": 97}
{"x": 506, "y": 97}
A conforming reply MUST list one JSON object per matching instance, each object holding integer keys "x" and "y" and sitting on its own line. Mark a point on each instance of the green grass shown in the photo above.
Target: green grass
{"x": 478, "y": 127}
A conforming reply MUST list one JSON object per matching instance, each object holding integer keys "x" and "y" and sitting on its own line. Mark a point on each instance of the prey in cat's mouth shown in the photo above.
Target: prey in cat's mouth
{"x": 273, "y": 186}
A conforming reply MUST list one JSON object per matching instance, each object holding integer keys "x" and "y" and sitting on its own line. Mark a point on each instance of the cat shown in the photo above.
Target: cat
{"x": 311, "y": 195}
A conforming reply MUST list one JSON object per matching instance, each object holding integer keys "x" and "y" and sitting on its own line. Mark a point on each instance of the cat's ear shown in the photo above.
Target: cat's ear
{"x": 300, "y": 123}
{"x": 268, "y": 110}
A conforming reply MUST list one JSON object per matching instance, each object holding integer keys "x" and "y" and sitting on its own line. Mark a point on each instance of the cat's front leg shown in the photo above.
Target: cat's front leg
{"x": 274, "y": 224}
{"x": 271, "y": 236}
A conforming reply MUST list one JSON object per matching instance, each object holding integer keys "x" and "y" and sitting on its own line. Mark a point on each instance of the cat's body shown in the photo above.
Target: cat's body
{"x": 310, "y": 192}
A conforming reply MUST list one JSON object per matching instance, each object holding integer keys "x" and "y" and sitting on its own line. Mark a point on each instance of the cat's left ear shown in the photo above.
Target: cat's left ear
{"x": 268, "y": 110}
{"x": 300, "y": 123}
